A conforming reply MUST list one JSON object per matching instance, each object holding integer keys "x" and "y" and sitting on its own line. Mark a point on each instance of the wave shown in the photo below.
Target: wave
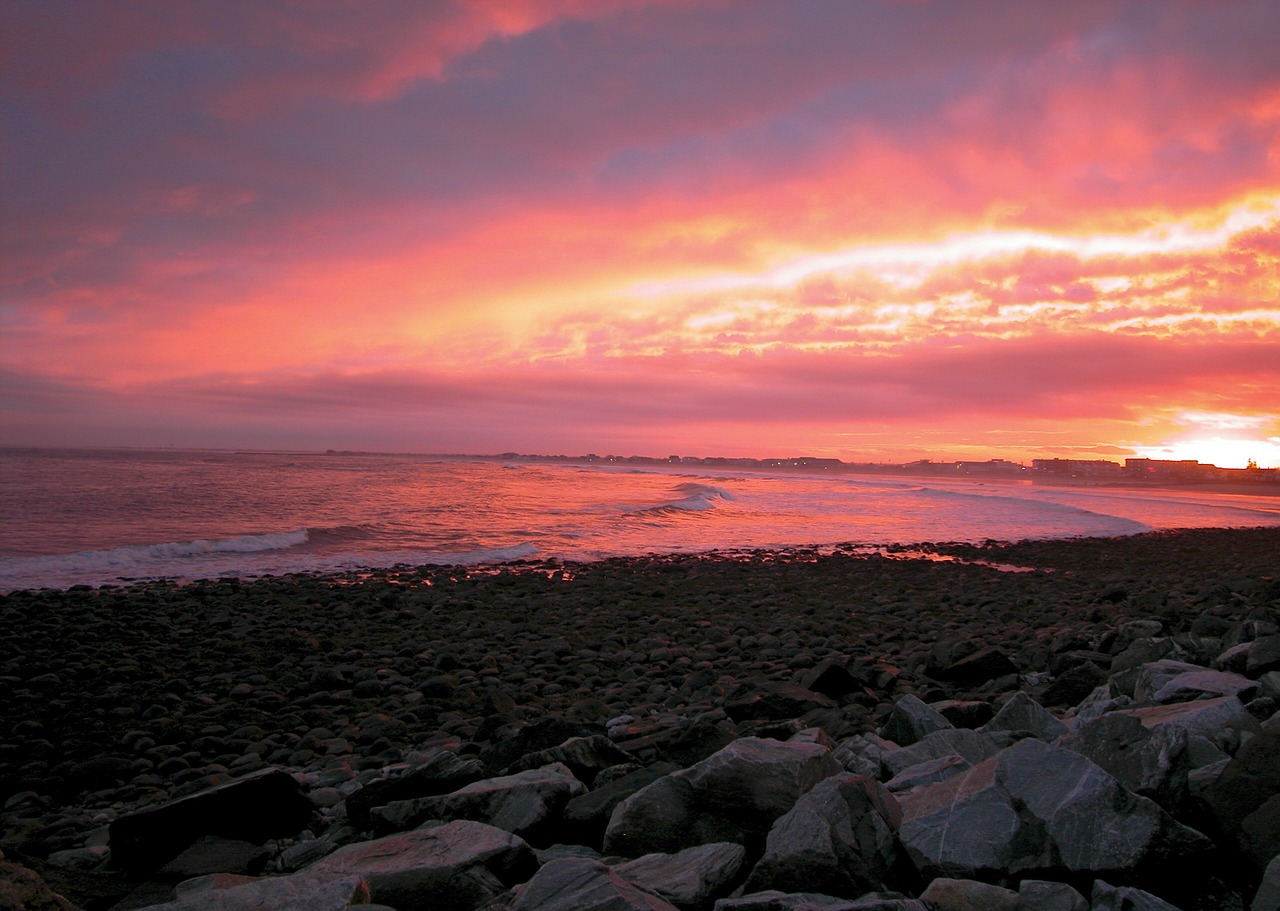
{"x": 1106, "y": 523}
{"x": 697, "y": 498}
{"x": 132, "y": 556}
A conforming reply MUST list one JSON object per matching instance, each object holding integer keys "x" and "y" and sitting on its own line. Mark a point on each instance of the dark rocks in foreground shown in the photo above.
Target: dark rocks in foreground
{"x": 787, "y": 731}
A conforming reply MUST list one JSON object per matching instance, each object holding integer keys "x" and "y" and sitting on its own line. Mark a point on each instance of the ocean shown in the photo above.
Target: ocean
{"x": 98, "y": 517}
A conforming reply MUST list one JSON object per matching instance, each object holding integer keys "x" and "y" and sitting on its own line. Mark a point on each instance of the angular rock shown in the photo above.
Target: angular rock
{"x": 1205, "y": 684}
{"x": 442, "y": 773}
{"x": 1107, "y": 897}
{"x": 1022, "y": 713}
{"x": 1074, "y": 684}
{"x": 833, "y": 679}
{"x": 689, "y": 879}
{"x": 1036, "y": 807}
{"x": 972, "y": 745}
{"x": 969, "y": 895}
{"x": 258, "y": 807}
{"x": 1267, "y": 898}
{"x": 586, "y": 816}
{"x": 733, "y": 795}
{"x": 979, "y": 666}
{"x": 527, "y": 804}
{"x": 911, "y": 720}
{"x": 839, "y": 839}
{"x": 863, "y": 753}
{"x": 460, "y": 865}
{"x": 281, "y": 893}
{"x": 964, "y": 713}
{"x": 1151, "y": 677}
{"x": 585, "y": 757}
{"x": 930, "y": 771}
{"x": 1224, "y": 721}
{"x": 1263, "y": 657}
{"x": 582, "y": 884}
{"x": 1044, "y": 895}
{"x": 773, "y": 702}
{"x": 1241, "y": 799}
{"x": 1151, "y": 762}
{"x": 212, "y": 854}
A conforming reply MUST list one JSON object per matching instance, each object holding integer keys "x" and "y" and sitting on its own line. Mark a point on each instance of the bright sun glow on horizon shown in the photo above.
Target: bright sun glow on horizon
{"x": 1220, "y": 451}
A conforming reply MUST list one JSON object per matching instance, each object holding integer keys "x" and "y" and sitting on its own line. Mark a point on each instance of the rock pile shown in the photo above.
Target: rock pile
{"x": 734, "y": 767}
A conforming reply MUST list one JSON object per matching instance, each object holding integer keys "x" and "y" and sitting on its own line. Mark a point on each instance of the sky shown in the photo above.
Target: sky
{"x": 873, "y": 231}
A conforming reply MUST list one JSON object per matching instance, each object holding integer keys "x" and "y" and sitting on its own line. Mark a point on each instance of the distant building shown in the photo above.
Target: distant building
{"x": 1077, "y": 468}
{"x": 1167, "y": 470}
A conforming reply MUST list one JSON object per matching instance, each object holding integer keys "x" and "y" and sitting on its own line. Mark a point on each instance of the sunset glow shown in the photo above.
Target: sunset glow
{"x": 872, "y": 231}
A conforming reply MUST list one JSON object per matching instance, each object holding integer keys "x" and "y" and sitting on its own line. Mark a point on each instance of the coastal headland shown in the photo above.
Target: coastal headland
{"x": 1090, "y": 722}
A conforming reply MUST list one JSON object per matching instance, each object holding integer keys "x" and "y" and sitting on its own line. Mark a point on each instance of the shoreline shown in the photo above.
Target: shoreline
{"x": 124, "y": 698}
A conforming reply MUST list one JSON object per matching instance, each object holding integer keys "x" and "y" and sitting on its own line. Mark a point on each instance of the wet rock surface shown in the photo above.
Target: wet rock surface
{"x": 695, "y": 732}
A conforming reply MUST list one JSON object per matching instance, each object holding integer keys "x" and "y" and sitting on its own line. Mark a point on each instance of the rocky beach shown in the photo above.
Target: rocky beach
{"x": 1079, "y": 724}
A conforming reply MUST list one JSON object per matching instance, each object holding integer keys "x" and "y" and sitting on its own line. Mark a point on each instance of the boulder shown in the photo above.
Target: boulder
{"x": 212, "y": 854}
{"x": 1245, "y": 799}
{"x": 444, "y": 771}
{"x": 1151, "y": 677}
{"x": 863, "y": 753}
{"x": 1267, "y": 898}
{"x": 840, "y": 839}
{"x": 733, "y": 795}
{"x": 1022, "y": 713}
{"x": 1074, "y": 684}
{"x": 586, "y": 816}
{"x": 911, "y": 720}
{"x": 1036, "y": 807}
{"x": 1107, "y": 897}
{"x": 527, "y": 804}
{"x": 833, "y": 679}
{"x": 23, "y": 889}
{"x": 773, "y": 702}
{"x": 1152, "y": 762}
{"x": 689, "y": 879}
{"x": 1045, "y": 895}
{"x": 282, "y": 893}
{"x": 969, "y": 665}
{"x": 964, "y": 713}
{"x": 585, "y": 757}
{"x": 458, "y": 866}
{"x": 1205, "y": 684}
{"x": 1224, "y": 721}
{"x": 972, "y": 745}
{"x": 928, "y": 772}
{"x": 583, "y": 884}
{"x": 969, "y": 895}
{"x": 1263, "y": 657}
{"x": 264, "y": 805}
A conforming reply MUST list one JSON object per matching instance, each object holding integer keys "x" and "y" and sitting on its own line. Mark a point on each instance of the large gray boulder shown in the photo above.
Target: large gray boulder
{"x": 910, "y": 720}
{"x": 457, "y": 866}
{"x": 1224, "y": 720}
{"x": 733, "y": 795}
{"x": 441, "y": 772}
{"x": 1267, "y": 898}
{"x": 690, "y": 879}
{"x": 773, "y": 900}
{"x": 583, "y": 884}
{"x": 840, "y": 839}
{"x": 527, "y": 804}
{"x": 585, "y": 757}
{"x": 972, "y": 745}
{"x": 1152, "y": 762}
{"x": 1190, "y": 686}
{"x": 1022, "y": 713}
{"x": 1037, "y": 807}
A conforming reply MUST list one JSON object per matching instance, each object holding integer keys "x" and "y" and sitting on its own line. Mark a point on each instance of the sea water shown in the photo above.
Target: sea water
{"x": 96, "y": 517}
